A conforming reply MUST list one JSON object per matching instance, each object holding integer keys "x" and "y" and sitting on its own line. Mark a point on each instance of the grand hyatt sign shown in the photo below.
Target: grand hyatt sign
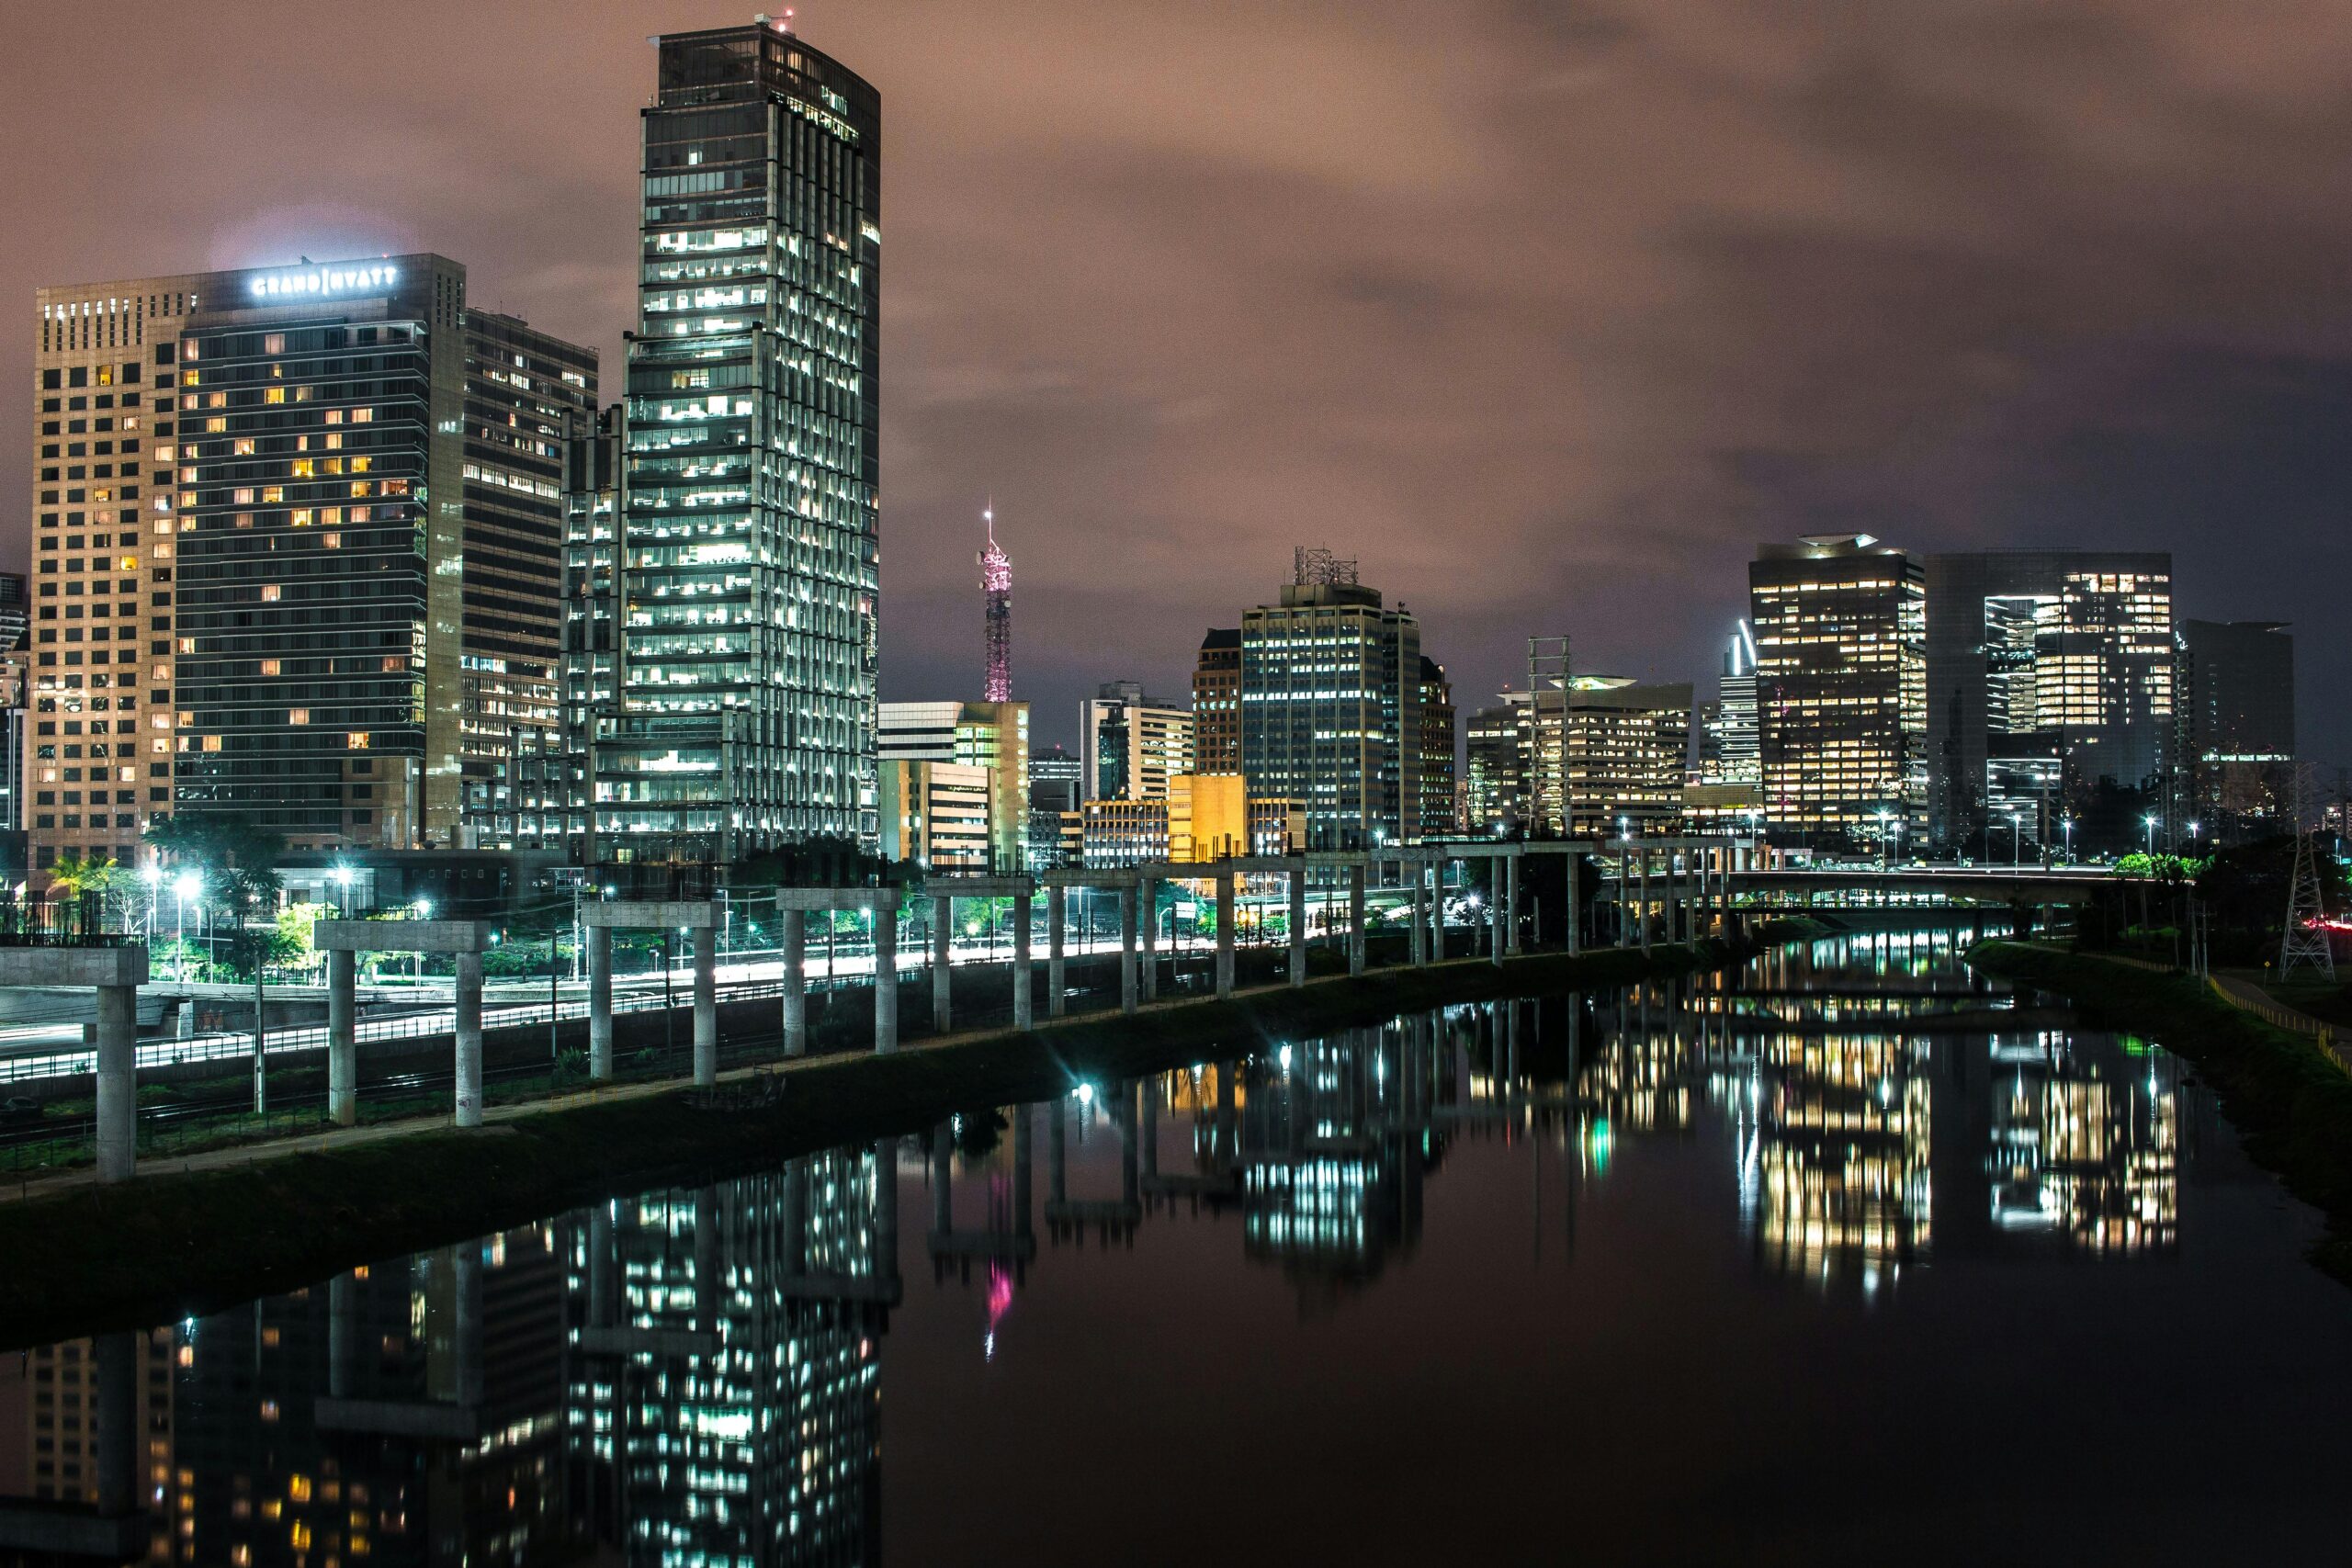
{"x": 315, "y": 282}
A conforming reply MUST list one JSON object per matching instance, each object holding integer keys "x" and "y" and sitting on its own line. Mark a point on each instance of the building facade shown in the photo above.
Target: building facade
{"x": 2050, "y": 696}
{"x": 1132, "y": 744}
{"x": 990, "y": 737}
{"x": 527, "y": 394}
{"x": 1436, "y": 752}
{"x": 1331, "y": 707}
{"x": 1495, "y": 768}
{"x": 2235, "y": 688}
{"x": 101, "y": 732}
{"x": 1840, "y": 688}
{"x": 750, "y": 500}
{"x": 1217, "y": 704}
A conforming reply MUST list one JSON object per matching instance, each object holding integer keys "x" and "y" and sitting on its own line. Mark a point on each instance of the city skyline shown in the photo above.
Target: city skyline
{"x": 2165, "y": 413}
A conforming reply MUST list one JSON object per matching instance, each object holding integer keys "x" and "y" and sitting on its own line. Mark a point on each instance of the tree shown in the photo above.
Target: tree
{"x": 238, "y": 860}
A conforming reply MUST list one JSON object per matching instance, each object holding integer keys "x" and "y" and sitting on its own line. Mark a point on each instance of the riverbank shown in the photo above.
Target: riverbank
{"x": 2291, "y": 1107}
{"x": 171, "y": 1245}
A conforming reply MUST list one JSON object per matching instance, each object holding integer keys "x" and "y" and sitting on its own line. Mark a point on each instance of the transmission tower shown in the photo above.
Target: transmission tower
{"x": 2304, "y": 942}
{"x": 996, "y": 581}
{"x": 1548, "y": 793}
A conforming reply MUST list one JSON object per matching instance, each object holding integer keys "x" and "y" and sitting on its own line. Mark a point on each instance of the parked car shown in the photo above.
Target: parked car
{"x": 18, "y": 1110}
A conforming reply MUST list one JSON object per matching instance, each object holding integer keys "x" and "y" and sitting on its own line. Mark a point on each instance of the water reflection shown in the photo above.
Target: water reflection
{"x": 695, "y": 1376}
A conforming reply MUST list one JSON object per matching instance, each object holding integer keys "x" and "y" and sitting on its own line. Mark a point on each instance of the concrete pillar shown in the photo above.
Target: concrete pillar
{"x": 1297, "y": 925}
{"x": 886, "y": 977}
{"x": 1024, "y": 1005}
{"x": 343, "y": 1037}
{"x": 1148, "y": 907}
{"x": 705, "y": 939}
{"x": 1510, "y": 902}
{"x": 468, "y": 1105}
{"x": 943, "y": 931}
{"x": 1497, "y": 901}
{"x": 1357, "y": 939}
{"x": 796, "y": 981}
{"x": 600, "y": 1004}
{"x": 1418, "y": 931}
{"x": 1129, "y": 993}
{"x": 118, "y": 1109}
{"x": 1227, "y": 908}
{"x": 1056, "y": 910}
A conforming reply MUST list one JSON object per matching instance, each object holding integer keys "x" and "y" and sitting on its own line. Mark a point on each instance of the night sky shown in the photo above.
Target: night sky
{"x": 1547, "y": 312}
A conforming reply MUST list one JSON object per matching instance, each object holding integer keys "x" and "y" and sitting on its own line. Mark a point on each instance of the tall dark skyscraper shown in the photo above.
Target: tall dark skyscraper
{"x": 2236, "y": 691}
{"x": 751, "y": 529}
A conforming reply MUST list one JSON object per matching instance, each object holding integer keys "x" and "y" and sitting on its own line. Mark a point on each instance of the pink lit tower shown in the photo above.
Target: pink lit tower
{"x": 995, "y": 580}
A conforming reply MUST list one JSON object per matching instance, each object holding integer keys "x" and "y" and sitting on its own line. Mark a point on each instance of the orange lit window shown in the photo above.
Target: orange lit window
{"x": 357, "y": 741}
{"x": 269, "y": 667}
{"x": 298, "y": 716}
{"x": 269, "y": 594}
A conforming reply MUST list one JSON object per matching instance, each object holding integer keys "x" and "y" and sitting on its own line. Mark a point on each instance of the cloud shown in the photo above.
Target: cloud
{"x": 1546, "y": 311}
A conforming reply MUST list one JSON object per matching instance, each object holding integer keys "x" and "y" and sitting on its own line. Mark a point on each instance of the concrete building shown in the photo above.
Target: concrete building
{"x": 1840, "y": 686}
{"x": 1217, "y": 704}
{"x": 1495, "y": 756}
{"x": 1203, "y": 816}
{"x": 750, "y": 499}
{"x": 2049, "y": 695}
{"x": 936, "y": 813}
{"x": 1728, "y": 749}
{"x": 1055, "y": 796}
{"x": 990, "y": 737}
{"x": 527, "y": 394}
{"x": 1436, "y": 752}
{"x": 2235, "y": 690}
{"x": 1331, "y": 707}
{"x": 291, "y": 632}
{"x": 104, "y": 502}
{"x": 1131, "y": 744}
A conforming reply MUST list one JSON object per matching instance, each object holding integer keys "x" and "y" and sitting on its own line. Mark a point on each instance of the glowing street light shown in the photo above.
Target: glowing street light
{"x": 2149, "y": 822}
{"x": 2017, "y": 832}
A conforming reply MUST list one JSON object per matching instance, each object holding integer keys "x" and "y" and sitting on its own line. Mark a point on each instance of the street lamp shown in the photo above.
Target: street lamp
{"x": 2149, "y": 822}
{"x": 2067, "y": 828}
{"x": 153, "y": 875}
{"x": 2017, "y": 831}
{"x": 188, "y": 886}
{"x": 1885, "y": 860}
{"x": 423, "y": 909}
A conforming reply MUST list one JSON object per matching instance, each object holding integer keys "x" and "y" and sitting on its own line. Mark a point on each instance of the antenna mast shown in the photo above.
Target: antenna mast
{"x": 996, "y": 582}
{"x": 2304, "y": 941}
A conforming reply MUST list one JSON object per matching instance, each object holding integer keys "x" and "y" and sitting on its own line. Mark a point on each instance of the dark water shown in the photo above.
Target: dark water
{"x": 1790, "y": 1267}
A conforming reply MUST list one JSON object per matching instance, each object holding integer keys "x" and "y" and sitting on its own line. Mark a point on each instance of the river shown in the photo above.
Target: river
{"x": 1825, "y": 1261}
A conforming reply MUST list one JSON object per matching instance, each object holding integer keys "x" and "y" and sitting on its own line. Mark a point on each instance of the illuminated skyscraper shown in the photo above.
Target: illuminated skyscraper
{"x": 1840, "y": 686}
{"x": 1331, "y": 707}
{"x": 750, "y": 511}
{"x": 2050, "y": 695}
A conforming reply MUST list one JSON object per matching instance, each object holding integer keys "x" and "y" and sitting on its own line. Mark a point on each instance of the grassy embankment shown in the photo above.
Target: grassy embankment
{"x": 2291, "y": 1105}
{"x": 176, "y": 1244}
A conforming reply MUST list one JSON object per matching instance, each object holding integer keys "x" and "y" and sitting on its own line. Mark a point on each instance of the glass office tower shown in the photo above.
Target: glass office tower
{"x": 750, "y": 533}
